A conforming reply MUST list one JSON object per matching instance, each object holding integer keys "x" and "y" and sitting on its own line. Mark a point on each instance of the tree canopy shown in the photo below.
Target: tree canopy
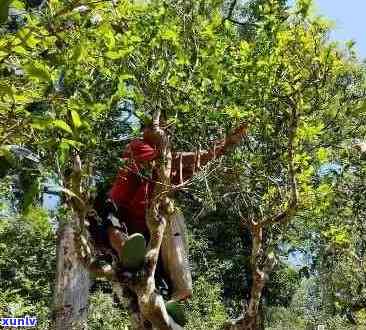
{"x": 276, "y": 226}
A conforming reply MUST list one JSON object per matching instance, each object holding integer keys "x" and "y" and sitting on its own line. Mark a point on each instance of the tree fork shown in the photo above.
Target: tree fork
{"x": 151, "y": 306}
{"x": 73, "y": 282}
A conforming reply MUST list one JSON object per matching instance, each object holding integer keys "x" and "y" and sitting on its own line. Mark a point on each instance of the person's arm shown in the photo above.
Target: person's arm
{"x": 186, "y": 164}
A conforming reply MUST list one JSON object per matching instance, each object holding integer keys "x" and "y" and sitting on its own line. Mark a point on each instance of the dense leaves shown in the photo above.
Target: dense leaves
{"x": 80, "y": 77}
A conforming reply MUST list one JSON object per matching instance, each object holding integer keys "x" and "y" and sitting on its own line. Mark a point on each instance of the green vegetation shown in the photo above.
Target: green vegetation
{"x": 289, "y": 202}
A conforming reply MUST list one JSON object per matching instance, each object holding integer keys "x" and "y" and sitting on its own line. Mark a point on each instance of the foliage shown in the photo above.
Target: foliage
{"x": 206, "y": 310}
{"x": 27, "y": 266}
{"x": 78, "y": 78}
{"x": 105, "y": 314}
{"x": 305, "y": 311}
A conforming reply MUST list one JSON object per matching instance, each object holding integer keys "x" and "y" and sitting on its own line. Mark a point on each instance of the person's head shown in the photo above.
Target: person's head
{"x": 141, "y": 152}
{"x": 148, "y": 134}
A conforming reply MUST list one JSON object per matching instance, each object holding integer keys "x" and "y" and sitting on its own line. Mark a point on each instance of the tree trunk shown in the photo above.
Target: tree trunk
{"x": 150, "y": 311}
{"x": 72, "y": 276}
{"x": 250, "y": 318}
{"x": 72, "y": 282}
{"x": 151, "y": 304}
{"x": 130, "y": 302}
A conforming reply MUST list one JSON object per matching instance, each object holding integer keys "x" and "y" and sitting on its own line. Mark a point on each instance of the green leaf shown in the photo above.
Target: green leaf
{"x": 303, "y": 7}
{"x": 322, "y": 155}
{"x": 75, "y": 119}
{"x": 108, "y": 36}
{"x": 63, "y": 152}
{"x": 38, "y": 71}
{"x": 169, "y": 35}
{"x": 124, "y": 77}
{"x": 7, "y": 90}
{"x": 4, "y": 10}
{"x": 31, "y": 41}
{"x": 18, "y": 4}
{"x": 71, "y": 143}
{"x": 20, "y": 50}
{"x": 78, "y": 53}
{"x": 234, "y": 112}
{"x": 115, "y": 55}
{"x": 62, "y": 125}
{"x": 41, "y": 124}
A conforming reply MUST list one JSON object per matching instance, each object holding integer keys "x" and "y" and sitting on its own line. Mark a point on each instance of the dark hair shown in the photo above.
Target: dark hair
{"x": 146, "y": 123}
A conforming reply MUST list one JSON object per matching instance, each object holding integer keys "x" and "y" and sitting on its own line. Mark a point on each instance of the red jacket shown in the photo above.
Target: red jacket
{"x": 131, "y": 193}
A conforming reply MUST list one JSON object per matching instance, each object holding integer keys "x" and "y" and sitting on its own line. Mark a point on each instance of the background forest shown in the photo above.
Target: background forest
{"x": 80, "y": 76}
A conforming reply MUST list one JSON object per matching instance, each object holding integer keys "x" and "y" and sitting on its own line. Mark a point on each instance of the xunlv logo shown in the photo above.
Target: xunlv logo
{"x": 18, "y": 321}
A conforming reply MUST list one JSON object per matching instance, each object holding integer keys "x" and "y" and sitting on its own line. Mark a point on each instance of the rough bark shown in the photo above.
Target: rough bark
{"x": 72, "y": 283}
{"x": 151, "y": 304}
{"x": 260, "y": 271}
{"x": 258, "y": 277}
{"x": 72, "y": 276}
{"x": 150, "y": 311}
{"x": 129, "y": 300}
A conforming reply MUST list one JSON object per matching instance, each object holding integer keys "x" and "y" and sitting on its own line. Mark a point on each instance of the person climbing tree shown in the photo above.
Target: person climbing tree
{"x": 124, "y": 222}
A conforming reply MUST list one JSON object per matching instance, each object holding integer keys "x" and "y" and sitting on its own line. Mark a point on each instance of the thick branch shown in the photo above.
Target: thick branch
{"x": 258, "y": 276}
{"x": 260, "y": 272}
{"x": 75, "y": 185}
{"x": 152, "y": 304}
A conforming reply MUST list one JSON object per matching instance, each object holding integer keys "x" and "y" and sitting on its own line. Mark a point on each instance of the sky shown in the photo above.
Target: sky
{"x": 350, "y": 19}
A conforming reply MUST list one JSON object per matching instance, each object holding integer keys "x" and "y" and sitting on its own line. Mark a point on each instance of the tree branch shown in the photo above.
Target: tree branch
{"x": 294, "y": 199}
{"x": 151, "y": 304}
{"x": 231, "y": 10}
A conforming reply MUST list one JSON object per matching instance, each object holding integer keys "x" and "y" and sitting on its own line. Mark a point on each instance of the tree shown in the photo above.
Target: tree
{"x": 85, "y": 50}
{"x": 291, "y": 90}
{"x": 73, "y": 68}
